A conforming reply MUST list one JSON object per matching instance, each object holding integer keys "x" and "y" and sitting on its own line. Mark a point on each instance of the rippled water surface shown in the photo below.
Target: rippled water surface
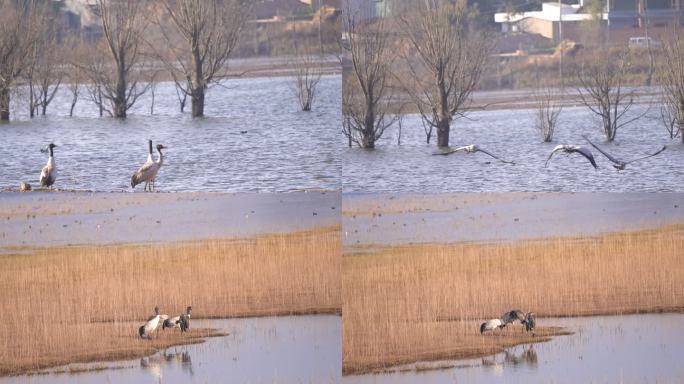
{"x": 283, "y": 148}
{"x": 511, "y": 134}
{"x": 603, "y": 349}
{"x": 292, "y": 349}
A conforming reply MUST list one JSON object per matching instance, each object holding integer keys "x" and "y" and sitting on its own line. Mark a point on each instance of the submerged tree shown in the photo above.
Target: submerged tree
{"x": 601, "y": 80}
{"x": 548, "y": 111}
{"x": 18, "y": 32}
{"x": 115, "y": 81}
{"x": 450, "y": 57}
{"x": 366, "y": 92}
{"x": 308, "y": 74}
{"x": 672, "y": 74}
{"x": 45, "y": 71}
{"x": 200, "y": 39}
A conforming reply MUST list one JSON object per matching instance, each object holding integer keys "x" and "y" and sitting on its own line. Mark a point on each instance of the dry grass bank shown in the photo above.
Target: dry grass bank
{"x": 425, "y": 302}
{"x": 79, "y": 304}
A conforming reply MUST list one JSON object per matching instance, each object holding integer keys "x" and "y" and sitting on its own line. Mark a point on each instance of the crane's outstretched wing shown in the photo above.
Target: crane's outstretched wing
{"x": 448, "y": 151}
{"x": 651, "y": 155}
{"x": 558, "y": 148}
{"x": 496, "y": 157}
{"x": 604, "y": 153}
{"x": 584, "y": 151}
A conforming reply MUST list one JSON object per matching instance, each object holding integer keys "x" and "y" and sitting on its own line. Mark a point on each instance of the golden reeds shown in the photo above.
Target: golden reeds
{"x": 421, "y": 302}
{"x": 85, "y": 303}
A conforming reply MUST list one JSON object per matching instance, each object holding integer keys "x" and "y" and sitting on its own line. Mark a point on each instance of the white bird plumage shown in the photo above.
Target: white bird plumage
{"x": 148, "y": 172}
{"x": 491, "y": 325}
{"x": 150, "y": 325}
{"x": 569, "y": 149}
{"x": 472, "y": 148}
{"x": 48, "y": 174}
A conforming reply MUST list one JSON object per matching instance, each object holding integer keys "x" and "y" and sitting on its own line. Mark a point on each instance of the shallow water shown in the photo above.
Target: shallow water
{"x": 603, "y": 349}
{"x": 511, "y": 134}
{"x": 291, "y": 349}
{"x": 283, "y": 148}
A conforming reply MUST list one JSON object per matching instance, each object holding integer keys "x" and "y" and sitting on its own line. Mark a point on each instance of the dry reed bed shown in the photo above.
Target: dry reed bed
{"x": 85, "y": 303}
{"x": 424, "y": 302}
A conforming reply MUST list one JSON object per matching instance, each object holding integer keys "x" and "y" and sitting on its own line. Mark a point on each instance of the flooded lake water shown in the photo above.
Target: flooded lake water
{"x": 254, "y": 138}
{"x": 603, "y": 349}
{"x": 290, "y": 349}
{"x": 511, "y": 135}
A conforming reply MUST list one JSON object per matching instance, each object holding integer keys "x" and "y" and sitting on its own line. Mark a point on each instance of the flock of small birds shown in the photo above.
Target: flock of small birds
{"x": 526, "y": 319}
{"x": 181, "y": 322}
{"x": 562, "y": 148}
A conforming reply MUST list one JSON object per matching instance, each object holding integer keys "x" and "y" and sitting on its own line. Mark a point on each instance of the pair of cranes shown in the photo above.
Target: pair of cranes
{"x": 565, "y": 148}
{"x": 147, "y": 173}
{"x": 528, "y": 320}
{"x": 181, "y": 321}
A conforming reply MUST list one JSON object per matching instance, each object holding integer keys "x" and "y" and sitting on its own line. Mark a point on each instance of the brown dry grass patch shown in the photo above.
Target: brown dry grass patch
{"x": 424, "y": 302}
{"x": 85, "y": 303}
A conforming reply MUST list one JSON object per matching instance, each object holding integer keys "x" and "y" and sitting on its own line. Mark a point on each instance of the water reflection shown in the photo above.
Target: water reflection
{"x": 154, "y": 364}
{"x": 603, "y": 349}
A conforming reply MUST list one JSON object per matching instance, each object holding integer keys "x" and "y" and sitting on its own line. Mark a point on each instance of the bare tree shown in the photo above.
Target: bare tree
{"x": 181, "y": 95}
{"x": 204, "y": 33}
{"x": 308, "y": 74}
{"x": 450, "y": 56}
{"x": 45, "y": 72}
{"x": 366, "y": 93}
{"x": 548, "y": 111}
{"x": 672, "y": 73}
{"x": 18, "y": 31}
{"x": 601, "y": 90}
{"x": 115, "y": 82}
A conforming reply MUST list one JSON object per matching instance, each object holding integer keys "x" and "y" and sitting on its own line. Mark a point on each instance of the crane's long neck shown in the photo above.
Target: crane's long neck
{"x": 51, "y": 154}
{"x": 150, "y": 146}
{"x": 160, "y": 161}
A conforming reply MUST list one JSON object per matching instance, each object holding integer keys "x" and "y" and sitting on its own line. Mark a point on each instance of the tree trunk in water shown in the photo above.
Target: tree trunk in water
{"x": 198, "y": 102}
{"x": 443, "y": 132}
{"x": 120, "y": 97}
{"x": 4, "y": 104}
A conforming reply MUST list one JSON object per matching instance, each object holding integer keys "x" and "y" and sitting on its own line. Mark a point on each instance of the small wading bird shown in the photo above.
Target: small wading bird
{"x": 148, "y": 172}
{"x": 49, "y": 173}
{"x": 150, "y": 325}
{"x": 470, "y": 149}
{"x": 182, "y": 321}
{"x": 570, "y": 149}
{"x": 618, "y": 164}
{"x": 491, "y": 325}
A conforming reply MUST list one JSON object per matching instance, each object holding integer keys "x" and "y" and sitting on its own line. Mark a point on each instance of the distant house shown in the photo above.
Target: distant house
{"x": 620, "y": 14}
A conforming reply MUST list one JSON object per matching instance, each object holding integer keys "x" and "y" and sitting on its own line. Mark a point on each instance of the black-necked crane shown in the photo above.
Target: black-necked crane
{"x": 570, "y": 149}
{"x": 491, "y": 325}
{"x": 148, "y": 172}
{"x": 48, "y": 174}
{"x": 529, "y": 322}
{"x": 181, "y": 321}
{"x": 150, "y": 325}
{"x": 619, "y": 164}
{"x": 470, "y": 149}
{"x": 512, "y": 316}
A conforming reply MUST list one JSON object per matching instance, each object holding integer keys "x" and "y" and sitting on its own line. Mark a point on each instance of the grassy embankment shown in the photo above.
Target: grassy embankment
{"x": 424, "y": 302}
{"x": 85, "y": 303}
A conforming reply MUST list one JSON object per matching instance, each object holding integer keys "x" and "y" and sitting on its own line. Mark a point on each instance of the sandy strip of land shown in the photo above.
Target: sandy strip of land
{"x": 394, "y": 219}
{"x": 51, "y": 219}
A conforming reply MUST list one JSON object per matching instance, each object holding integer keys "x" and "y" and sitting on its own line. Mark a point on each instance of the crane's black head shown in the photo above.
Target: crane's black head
{"x": 160, "y": 147}
{"x": 156, "y": 310}
{"x": 51, "y": 146}
{"x": 189, "y": 309}
{"x": 482, "y": 328}
{"x": 149, "y": 143}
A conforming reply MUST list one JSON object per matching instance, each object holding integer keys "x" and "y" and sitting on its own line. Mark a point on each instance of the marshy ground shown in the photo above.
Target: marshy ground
{"x": 404, "y": 303}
